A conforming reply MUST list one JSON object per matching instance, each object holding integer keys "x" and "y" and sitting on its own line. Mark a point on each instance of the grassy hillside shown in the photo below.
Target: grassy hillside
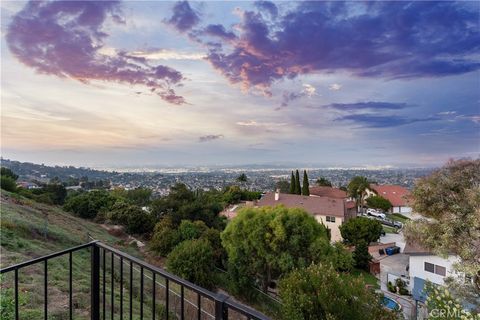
{"x": 30, "y": 229}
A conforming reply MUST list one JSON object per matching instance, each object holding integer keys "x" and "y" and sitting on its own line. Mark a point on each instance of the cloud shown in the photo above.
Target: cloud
{"x": 217, "y": 30}
{"x": 267, "y": 6}
{"x": 383, "y": 121}
{"x": 184, "y": 18}
{"x": 66, "y": 39}
{"x": 210, "y": 137}
{"x": 253, "y": 123}
{"x": 334, "y": 87}
{"x": 373, "y": 105}
{"x": 389, "y": 40}
{"x": 307, "y": 91}
{"x": 166, "y": 54}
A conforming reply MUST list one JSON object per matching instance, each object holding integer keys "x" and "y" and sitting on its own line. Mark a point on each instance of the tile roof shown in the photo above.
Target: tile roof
{"x": 397, "y": 195}
{"x": 314, "y": 205}
{"x": 328, "y": 192}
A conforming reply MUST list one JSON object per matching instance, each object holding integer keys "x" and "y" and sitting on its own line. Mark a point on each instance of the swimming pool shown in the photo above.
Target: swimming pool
{"x": 390, "y": 304}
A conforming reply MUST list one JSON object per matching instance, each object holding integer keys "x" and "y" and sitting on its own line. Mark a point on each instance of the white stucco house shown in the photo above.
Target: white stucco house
{"x": 426, "y": 266}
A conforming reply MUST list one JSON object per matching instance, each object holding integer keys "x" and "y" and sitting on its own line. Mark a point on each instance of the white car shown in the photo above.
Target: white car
{"x": 376, "y": 213}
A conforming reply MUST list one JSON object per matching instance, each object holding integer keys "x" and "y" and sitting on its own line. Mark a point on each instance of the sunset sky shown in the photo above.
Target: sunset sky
{"x": 202, "y": 83}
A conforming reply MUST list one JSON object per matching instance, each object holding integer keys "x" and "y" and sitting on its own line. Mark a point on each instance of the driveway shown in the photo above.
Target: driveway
{"x": 394, "y": 237}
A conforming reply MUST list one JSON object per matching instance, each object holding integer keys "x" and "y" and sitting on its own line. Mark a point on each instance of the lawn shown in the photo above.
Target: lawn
{"x": 399, "y": 217}
{"x": 388, "y": 229}
{"x": 367, "y": 277}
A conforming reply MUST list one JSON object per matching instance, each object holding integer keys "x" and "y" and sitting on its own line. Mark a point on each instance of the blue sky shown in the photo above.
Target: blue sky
{"x": 202, "y": 83}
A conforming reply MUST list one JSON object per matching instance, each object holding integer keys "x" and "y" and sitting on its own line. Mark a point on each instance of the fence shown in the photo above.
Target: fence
{"x": 125, "y": 287}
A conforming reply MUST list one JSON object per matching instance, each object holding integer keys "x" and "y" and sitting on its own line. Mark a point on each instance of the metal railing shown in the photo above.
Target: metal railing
{"x": 175, "y": 295}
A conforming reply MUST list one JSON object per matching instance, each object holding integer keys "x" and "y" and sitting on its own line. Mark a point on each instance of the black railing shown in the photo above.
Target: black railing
{"x": 175, "y": 297}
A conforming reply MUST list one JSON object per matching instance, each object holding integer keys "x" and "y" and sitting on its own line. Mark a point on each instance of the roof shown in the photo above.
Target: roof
{"x": 397, "y": 195}
{"x": 328, "y": 192}
{"x": 414, "y": 248}
{"x": 314, "y": 205}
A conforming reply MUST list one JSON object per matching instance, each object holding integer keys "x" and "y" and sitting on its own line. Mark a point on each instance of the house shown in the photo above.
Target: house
{"x": 425, "y": 265}
{"x": 27, "y": 185}
{"x": 323, "y": 191}
{"x": 331, "y": 212}
{"x": 397, "y": 195}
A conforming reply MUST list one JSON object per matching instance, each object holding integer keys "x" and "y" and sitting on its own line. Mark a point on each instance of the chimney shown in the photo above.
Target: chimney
{"x": 277, "y": 194}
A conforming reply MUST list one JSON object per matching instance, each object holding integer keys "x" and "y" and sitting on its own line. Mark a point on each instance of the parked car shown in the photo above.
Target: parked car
{"x": 397, "y": 224}
{"x": 376, "y": 213}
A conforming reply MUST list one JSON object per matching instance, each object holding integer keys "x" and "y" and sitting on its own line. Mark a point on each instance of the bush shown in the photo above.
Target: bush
{"x": 165, "y": 237}
{"x": 361, "y": 256}
{"x": 361, "y": 229}
{"x": 89, "y": 204}
{"x": 319, "y": 292}
{"x": 8, "y": 184}
{"x": 379, "y": 202}
{"x": 8, "y": 173}
{"x": 391, "y": 287}
{"x": 189, "y": 230}
{"x": 139, "y": 221}
{"x": 193, "y": 261}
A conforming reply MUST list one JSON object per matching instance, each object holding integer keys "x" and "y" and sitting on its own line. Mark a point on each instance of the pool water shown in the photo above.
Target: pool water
{"x": 390, "y": 304}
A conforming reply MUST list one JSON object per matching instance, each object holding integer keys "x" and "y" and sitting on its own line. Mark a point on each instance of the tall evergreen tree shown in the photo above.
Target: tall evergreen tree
{"x": 306, "y": 186}
{"x": 298, "y": 188}
{"x": 292, "y": 184}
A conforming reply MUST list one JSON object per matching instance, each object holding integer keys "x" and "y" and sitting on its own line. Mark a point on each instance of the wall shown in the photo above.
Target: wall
{"x": 333, "y": 226}
{"x": 417, "y": 268}
{"x": 402, "y": 210}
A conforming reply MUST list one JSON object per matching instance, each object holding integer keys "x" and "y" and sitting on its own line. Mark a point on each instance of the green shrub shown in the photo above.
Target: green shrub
{"x": 193, "y": 260}
{"x": 165, "y": 237}
{"x": 8, "y": 184}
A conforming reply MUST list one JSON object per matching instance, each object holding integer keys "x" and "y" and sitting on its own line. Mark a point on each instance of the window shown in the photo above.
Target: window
{"x": 429, "y": 267}
{"x": 440, "y": 270}
{"x": 330, "y": 219}
{"x": 433, "y": 268}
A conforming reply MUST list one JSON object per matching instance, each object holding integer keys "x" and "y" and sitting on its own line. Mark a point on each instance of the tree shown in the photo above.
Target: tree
{"x": 264, "y": 243}
{"x": 193, "y": 261}
{"x": 323, "y": 182}
{"x": 283, "y": 186}
{"x": 361, "y": 256}
{"x": 306, "y": 187}
{"x": 139, "y": 221}
{"x": 450, "y": 198}
{"x": 165, "y": 236}
{"x": 242, "y": 178}
{"x": 360, "y": 229}
{"x": 7, "y": 183}
{"x": 298, "y": 188}
{"x": 56, "y": 192}
{"x": 89, "y": 204}
{"x": 379, "y": 202}
{"x": 8, "y": 173}
{"x": 318, "y": 292}
{"x": 292, "y": 184}
{"x": 189, "y": 230}
{"x": 443, "y": 305}
{"x": 357, "y": 189}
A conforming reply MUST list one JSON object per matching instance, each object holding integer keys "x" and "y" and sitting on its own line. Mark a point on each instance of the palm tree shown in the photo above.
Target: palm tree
{"x": 357, "y": 189}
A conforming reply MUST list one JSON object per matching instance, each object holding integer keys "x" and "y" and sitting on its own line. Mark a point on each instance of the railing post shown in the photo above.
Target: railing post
{"x": 95, "y": 282}
{"x": 221, "y": 310}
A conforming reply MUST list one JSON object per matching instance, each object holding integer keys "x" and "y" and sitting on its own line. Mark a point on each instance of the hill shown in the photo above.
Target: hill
{"x": 29, "y": 230}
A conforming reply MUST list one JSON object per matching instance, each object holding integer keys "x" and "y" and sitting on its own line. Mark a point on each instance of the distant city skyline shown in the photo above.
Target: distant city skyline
{"x": 332, "y": 84}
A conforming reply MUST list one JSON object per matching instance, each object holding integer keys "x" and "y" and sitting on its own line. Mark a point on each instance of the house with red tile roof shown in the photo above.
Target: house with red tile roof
{"x": 399, "y": 196}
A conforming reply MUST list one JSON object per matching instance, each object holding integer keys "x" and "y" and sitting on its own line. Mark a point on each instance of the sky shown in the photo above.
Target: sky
{"x": 150, "y": 83}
